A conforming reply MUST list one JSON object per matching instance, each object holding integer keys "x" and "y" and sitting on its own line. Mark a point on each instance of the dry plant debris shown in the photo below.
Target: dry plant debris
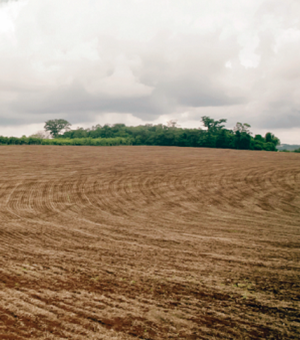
{"x": 148, "y": 243}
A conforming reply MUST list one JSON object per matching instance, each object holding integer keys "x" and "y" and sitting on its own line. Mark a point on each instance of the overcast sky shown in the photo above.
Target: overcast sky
{"x": 137, "y": 61}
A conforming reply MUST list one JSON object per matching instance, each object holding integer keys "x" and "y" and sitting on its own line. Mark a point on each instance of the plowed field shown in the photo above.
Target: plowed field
{"x": 148, "y": 243}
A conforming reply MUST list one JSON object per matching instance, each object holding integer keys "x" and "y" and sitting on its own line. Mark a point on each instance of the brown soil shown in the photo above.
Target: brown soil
{"x": 148, "y": 243}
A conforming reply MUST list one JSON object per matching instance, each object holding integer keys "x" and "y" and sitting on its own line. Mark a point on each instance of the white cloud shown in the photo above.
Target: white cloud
{"x": 150, "y": 60}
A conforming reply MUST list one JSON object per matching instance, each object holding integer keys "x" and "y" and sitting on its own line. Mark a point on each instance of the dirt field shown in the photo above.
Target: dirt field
{"x": 148, "y": 243}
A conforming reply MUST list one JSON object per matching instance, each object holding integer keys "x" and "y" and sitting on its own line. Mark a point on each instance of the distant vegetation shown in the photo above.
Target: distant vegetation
{"x": 215, "y": 135}
{"x": 64, "y": 141}
{"x": 289, "y": 148}
{"x": 293, "y": 150}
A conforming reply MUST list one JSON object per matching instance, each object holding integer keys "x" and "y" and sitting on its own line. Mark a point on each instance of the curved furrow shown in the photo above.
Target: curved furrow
{"x": 151, "y": 242}
{"x": 113, "y": 196}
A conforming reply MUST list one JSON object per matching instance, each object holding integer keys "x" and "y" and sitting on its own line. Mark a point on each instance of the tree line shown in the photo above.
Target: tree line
{"x": 63, "y": 141}
{"x": 213, "y": 135}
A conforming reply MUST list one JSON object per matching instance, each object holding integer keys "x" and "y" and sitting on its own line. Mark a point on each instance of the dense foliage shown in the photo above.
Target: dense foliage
{"x": 214, "y": 136}
{"x": 55, "y": 126}
{"x": 64, "y": 141}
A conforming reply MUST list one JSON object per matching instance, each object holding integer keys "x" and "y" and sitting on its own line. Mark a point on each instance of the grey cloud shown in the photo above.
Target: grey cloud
{"x": 79, "y": 105}
{"x": 284, "y": 118}
{"x": 179, "y": 75}
{"x": 77, "y": 69}
{"x": 192, "y": 92}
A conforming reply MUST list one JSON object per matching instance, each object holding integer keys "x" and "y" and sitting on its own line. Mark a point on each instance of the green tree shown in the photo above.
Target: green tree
{"x": 55, "y": 126}
{"x": 270, "y": 138}
{"x": 213, "y": 125}
{"x": 242, "y": 140}
{"x": 259, "y": 138}
{"x": 222, "y": 140}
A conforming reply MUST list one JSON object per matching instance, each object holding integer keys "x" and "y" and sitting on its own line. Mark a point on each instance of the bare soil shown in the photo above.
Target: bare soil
{"x": 148, "y": 243}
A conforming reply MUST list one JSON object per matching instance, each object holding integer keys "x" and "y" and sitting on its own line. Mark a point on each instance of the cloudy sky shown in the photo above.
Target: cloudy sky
{"x": 137, "y": 61}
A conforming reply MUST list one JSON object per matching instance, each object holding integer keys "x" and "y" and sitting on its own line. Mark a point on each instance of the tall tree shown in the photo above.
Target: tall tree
{"x": 270, "y": 138}
{"x": 55, "y": 126}
{"x": 213, "y": 125}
